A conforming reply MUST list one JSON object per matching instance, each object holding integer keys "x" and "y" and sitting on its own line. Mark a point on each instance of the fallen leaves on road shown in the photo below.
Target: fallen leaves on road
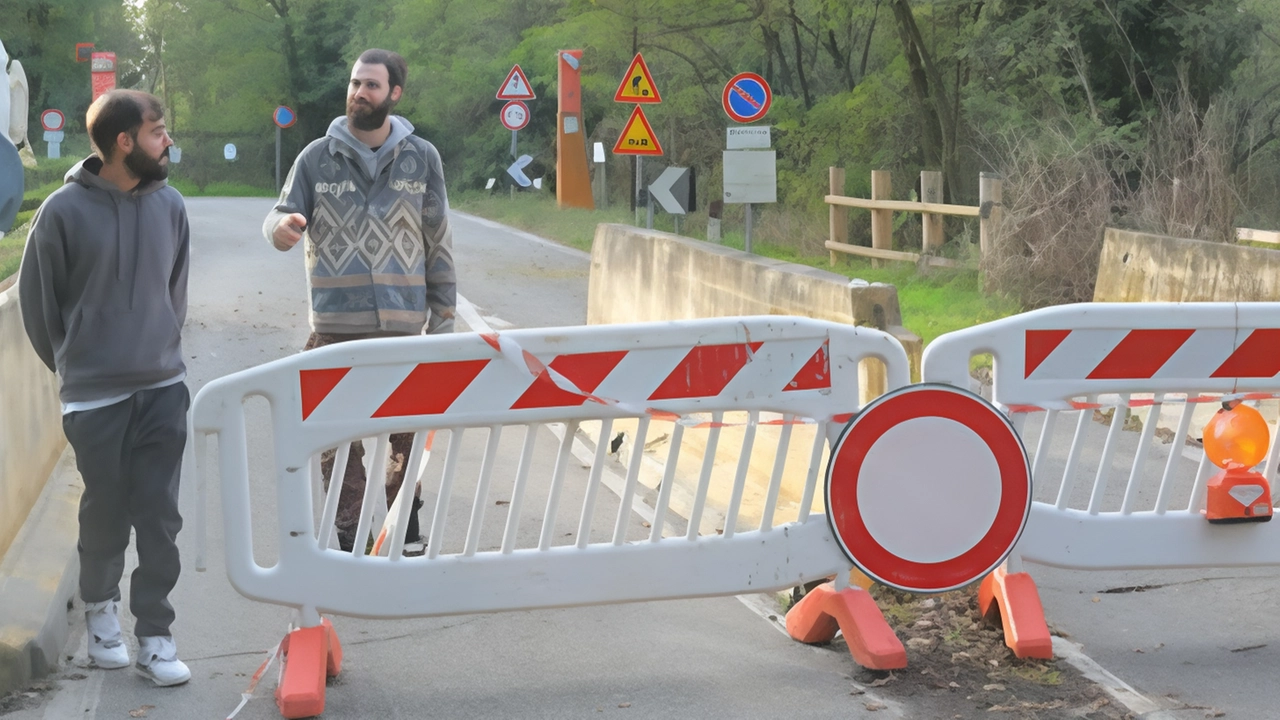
{"x": 142, "y": 711}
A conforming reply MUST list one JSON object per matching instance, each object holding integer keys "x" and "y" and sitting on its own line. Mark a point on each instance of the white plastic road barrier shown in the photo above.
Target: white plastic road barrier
{"x": 1111, "y": 498}
{"x": 534, "y": 529}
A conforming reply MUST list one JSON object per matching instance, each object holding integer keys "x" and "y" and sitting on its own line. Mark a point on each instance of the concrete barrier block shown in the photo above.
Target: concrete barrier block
{"x": 38, "y": 577}
{"x": 31, "y": 436}
{"x": 1144, "y": 267}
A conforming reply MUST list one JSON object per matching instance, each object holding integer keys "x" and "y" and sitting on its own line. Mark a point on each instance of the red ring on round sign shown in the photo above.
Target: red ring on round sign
{"x": 522, "y": 119}
{"x": 764, "y": 102}
{"x": 49, "y": 125}
{"x": 868, "y": 427}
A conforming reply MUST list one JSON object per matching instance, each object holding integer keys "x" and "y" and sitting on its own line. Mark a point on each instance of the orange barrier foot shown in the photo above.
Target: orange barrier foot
{"x": 310, "y": 656}
{"x": 333, "y": 661}
{"x": 871, "y": 641}
{"x": 1013, "y": 596}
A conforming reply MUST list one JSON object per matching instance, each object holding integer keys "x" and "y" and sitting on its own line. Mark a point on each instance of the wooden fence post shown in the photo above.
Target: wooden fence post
{"x": 839, "y": 214}
{"x": 931, "y": 192}
{"x": 990, "y": 210}
{"x": 881, "y": 220}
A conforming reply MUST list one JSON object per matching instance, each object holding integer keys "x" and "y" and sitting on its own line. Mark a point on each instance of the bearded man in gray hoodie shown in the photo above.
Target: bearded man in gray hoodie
{"x": 103, "y": 290}
{"x": 369, "y": 198}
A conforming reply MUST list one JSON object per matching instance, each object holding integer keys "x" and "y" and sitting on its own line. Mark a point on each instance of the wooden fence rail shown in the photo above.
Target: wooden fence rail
{"x": 1262, "y": 236}
{"x": 931, "y": 208}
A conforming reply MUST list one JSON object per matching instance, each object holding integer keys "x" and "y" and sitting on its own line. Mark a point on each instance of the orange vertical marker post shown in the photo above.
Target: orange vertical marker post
{"x": 573, "y": 181}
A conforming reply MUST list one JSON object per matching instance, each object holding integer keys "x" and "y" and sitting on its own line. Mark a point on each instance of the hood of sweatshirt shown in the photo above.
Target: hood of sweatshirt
{"x": 103, "y": 285}
{"x": 85, "y": 173}
{"x": 371, "y": 160}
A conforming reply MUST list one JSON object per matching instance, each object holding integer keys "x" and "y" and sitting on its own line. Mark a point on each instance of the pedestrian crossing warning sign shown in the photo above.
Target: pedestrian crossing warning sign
{"x": 637, "y": 136}
{"x": 637, "y": 85}
{"x": 516, "y": 86}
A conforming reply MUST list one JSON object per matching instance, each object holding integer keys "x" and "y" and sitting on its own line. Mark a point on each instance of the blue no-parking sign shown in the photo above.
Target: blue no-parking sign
{"x": 746, "y": 97}
{"x": 284, "y": 116}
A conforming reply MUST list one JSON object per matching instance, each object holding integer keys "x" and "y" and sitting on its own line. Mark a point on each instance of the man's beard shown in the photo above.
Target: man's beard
{"x": 365, "y": 117}
{"x": 145, "y": 167}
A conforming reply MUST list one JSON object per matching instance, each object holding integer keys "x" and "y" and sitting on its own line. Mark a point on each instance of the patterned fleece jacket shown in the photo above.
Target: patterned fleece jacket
{"x": 379, "y": 250}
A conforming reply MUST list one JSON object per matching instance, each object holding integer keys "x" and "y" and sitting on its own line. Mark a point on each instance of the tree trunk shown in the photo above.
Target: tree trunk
{"x": 939, "y": 118}
{"x": 795, "y": 39}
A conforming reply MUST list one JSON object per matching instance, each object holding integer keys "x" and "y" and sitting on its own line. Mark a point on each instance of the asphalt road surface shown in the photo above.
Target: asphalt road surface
{"x": 710, "y": 658}
{"x": 1194, "y": 642}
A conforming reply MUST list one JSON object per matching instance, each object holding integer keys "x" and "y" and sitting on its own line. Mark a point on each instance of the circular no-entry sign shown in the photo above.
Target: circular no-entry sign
{"x": 52, "y": 120}
{"x": 746, "y": 97}
{"x": 515, "y": 115}
{"x": 284, "y": 116}
{"x": 928, "y": 488}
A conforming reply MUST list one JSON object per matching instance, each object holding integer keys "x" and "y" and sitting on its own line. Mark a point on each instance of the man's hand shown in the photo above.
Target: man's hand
{"x": 288, "y": 231}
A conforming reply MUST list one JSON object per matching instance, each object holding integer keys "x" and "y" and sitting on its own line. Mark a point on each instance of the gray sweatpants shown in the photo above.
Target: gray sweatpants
{"x": 130, "y": 456}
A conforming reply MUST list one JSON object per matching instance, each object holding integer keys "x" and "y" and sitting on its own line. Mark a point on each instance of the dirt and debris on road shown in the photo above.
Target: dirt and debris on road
{"x": 958, "y": 666}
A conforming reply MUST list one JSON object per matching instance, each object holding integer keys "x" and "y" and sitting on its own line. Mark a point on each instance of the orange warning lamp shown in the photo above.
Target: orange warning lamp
{"x": 1236, "y": 439}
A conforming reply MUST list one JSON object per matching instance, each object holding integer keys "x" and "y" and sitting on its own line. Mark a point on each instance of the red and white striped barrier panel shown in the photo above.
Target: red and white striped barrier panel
{"x": 1104, "y": 361}
{"x": 686, "y": 536}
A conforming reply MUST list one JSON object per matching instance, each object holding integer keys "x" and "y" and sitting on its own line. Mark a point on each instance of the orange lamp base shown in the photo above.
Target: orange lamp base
{"x": 1238, "y": 495}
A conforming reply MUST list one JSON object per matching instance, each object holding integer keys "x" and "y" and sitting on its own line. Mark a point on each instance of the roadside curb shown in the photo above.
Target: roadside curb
{"x": 1122, "y": 692}
{"x": 38, "y": 579}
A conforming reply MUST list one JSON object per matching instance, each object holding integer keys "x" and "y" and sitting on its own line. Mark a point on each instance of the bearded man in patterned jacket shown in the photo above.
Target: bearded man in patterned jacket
{"x": 369, "y": 198}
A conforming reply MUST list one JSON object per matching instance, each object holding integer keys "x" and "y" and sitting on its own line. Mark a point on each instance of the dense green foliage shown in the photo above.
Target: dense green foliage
{"x": 1144, "y": 94}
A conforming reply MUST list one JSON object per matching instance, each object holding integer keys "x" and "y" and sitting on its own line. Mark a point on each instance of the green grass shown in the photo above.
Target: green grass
{"x": 219, "y": 189}
{"x": 944, "y": 300}
{"x": 11, "y": 250}
{"x": 538, "y": 214}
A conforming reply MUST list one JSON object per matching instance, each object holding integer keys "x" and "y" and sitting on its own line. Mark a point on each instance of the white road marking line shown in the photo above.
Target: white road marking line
{"x": 471, "y": 316}
{"x": 1136, "y": 702}
{"x": 82, "y": 704}
{"x": 761, "y": 605}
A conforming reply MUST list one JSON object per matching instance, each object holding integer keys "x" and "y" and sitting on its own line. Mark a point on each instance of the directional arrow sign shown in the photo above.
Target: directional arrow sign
{"x": 673, "y": 190}
{"x": 516, "y": 170}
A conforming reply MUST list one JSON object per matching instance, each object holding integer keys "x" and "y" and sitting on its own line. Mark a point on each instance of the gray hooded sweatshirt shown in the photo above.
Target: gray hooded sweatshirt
{"x": 103, "y": 284}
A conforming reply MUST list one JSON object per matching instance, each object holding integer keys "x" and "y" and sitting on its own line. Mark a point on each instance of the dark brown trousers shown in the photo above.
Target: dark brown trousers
{"x": 351, "y": 497}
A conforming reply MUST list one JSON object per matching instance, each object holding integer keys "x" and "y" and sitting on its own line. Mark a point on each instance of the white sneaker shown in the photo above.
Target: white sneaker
{"x": 158, "y": 660}
{"x": 106, "y": 645}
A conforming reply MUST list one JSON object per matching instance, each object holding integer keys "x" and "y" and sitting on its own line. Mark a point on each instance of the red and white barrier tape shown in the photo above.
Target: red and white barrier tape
{"x": 520, "y": 358}
{"x": 1115, "y": 400}
{"x": 272, "y": 655}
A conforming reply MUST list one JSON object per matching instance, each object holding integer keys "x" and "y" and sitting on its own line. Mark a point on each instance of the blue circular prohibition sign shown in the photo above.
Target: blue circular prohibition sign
{"x": 284, "y": 116}
{"x": 747, "y": 97}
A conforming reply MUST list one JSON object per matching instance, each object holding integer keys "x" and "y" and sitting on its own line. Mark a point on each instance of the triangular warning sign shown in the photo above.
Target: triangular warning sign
{"x": 516, "y": 86}
{"x": 637, "y": 136}
{"x": 637, "y": 85}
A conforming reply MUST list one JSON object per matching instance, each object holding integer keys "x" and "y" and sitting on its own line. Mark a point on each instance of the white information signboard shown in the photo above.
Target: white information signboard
{"x": 750, "y": 176}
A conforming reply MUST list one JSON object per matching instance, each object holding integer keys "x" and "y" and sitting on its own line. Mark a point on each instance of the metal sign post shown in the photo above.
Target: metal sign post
{"x": 53, "y": 121}
{"x": 514, "y": 116}
{"x": 639, "y": 185}
{"x": 637, "y": 138}
{"x": 750, "y": 176}
{"x": 601, "y": 185}
{"x": 283, "y": 117}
